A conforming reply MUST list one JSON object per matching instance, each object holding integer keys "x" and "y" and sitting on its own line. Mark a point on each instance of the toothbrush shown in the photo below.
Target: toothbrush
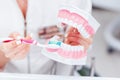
{"x": 33, "y": 42}
{"x": 5, "y": 40}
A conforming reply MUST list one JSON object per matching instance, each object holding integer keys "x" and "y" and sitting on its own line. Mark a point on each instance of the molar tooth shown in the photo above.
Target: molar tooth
{"x": 75, "y": 48}
{"x": 72, "y": 49}
{"x": 82, "y": 48}
{"x": 78, "y": 48}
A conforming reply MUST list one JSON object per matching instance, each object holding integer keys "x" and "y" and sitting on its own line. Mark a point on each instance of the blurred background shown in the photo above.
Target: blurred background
{"x": 106, "y": 42}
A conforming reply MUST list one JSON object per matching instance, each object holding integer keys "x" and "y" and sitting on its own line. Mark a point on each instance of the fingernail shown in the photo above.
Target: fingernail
{"x": 18, "y": 42}
{"x": 19, "y": 37}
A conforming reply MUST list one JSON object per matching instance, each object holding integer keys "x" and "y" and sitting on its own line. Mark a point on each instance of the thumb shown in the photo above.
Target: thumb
{"x": 14, "y": 35}
{"x": 29, "y": 36}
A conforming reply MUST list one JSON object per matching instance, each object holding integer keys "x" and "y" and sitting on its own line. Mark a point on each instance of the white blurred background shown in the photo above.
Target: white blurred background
{"x": 107, "y": 57}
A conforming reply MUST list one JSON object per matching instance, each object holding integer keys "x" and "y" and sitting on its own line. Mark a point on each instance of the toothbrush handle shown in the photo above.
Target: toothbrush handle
{"x": 41, "y": 45}
{"x": 33, "y": 42}
{"x": 5, "y": 40}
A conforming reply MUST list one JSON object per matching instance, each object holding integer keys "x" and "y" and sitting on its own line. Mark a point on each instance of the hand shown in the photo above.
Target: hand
{"x": 74, "y": 38}
{"x": 12, "y": 50}
{"x": 49, "y": 32}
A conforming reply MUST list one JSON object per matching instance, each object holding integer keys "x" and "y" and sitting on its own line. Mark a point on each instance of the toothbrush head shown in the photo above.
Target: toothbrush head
{"x": 58, "y": 43}
{"x": 54, "y": 44}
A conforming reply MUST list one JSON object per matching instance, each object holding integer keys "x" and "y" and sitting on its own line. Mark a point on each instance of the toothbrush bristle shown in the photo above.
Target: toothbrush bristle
{"x": 58, "y": 43}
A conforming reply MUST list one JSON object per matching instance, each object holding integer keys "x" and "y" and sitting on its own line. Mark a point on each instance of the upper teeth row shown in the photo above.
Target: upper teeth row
{"x": 80, "y": 27}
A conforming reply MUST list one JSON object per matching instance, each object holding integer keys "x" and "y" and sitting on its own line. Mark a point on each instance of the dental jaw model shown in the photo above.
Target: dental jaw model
{"x": 81, "y": 25}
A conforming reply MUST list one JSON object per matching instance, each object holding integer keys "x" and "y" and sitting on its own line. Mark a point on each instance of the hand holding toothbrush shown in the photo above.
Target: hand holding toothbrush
{"x": 13, "y": 49}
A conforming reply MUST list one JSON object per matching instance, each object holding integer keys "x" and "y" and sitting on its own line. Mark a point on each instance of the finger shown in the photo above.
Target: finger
{"x": 25, "y": 49}
{"x": 10, "y": 45}
{"x": 29, "y": 37}
{"x": 21, "y": 55}
{"x": 14, "y": 35}
{"x": 17, "y": 50}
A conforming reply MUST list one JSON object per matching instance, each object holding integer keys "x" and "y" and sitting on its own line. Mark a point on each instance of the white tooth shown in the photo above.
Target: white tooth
{"x": 62, "y": 19}
{"x": 69, "y": 48}
{"x": 76, "y": 25}
{"x": 78, "y": 48}
{"x": 79, "y": 28}
{"x": 64, "y": 47}
{"x": 82, "y": 28}
{"x": 65, "y": 20}
{"x": 59, "y": 19}
{"x": 70, "y": 22}
{"x": 84, "y": 32}
{"x": 87, "y": 35}
{"x": 72, "y": 48}
{"x": 75, "y": 49}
